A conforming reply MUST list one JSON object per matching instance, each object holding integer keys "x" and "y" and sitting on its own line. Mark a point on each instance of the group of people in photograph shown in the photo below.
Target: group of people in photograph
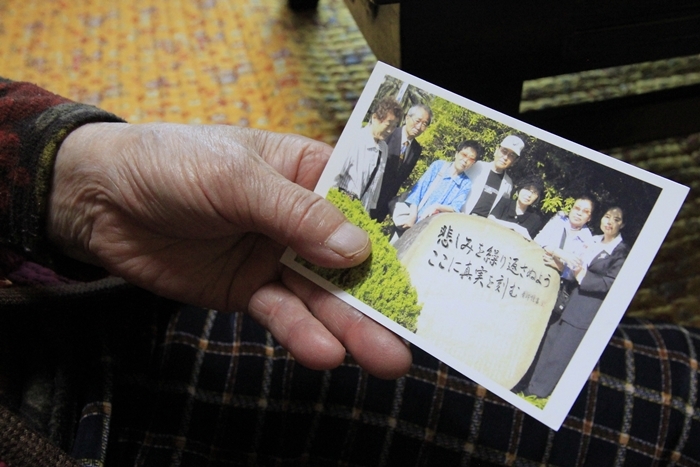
{"x": 588, "y": 264}
{"x": 385, "y": 154}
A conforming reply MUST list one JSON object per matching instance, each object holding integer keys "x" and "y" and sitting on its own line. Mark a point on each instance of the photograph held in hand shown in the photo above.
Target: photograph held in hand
{"x": 505, "y": 251}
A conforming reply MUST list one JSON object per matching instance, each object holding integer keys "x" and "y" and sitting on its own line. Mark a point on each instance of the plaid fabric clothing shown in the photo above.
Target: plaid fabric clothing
{"x": 221, "y": 392}
{"x": 59, "y": 345}
{"x": 115, "y": 376}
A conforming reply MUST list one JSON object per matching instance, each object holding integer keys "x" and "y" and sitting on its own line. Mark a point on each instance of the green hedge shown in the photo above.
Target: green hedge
{"x": 381, "y": 282}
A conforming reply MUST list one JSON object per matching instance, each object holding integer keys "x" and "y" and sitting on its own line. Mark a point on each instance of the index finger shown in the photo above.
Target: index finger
{"x": 376, "y": 349}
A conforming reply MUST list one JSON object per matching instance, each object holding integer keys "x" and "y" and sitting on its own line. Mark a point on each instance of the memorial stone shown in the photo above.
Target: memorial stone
{"x": 487, "y": 295}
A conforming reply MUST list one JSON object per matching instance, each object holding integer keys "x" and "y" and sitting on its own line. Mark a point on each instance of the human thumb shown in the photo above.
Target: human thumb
{"x": 313, "y": 227}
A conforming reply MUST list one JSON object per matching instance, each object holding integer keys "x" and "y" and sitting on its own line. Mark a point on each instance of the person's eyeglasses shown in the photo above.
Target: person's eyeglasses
{"x": 422, "y": 123}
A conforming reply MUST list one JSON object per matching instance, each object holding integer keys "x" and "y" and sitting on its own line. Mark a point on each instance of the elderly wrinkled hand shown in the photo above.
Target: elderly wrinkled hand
{"x": 202, "y": 214}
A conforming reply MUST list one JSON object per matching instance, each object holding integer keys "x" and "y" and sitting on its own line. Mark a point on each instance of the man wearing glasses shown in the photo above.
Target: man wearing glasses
{"x": 490, "y": 180}
{"x": 404, "y": 151}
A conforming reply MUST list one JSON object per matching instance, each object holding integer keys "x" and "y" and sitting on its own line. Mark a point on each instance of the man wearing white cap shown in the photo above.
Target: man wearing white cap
{"x": 490, "y": 182}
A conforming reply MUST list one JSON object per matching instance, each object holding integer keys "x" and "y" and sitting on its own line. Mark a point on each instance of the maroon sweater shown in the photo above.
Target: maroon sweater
{"x": 33, "y": 123}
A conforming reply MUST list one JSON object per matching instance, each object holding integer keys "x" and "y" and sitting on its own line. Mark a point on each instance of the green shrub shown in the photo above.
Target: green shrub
{"x": 381, "y": 282}
{"x": 538, "y": 402}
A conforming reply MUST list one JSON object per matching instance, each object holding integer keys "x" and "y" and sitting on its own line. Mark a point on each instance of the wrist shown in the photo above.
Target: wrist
{"x": 79, "y": 179}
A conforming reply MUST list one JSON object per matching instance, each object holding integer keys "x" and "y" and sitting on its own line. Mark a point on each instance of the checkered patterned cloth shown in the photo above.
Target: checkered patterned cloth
{"x": 219, "y": 391}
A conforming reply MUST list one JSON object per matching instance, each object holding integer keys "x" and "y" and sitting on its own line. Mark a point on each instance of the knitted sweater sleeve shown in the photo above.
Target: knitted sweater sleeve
{"x": 33, "y": 124}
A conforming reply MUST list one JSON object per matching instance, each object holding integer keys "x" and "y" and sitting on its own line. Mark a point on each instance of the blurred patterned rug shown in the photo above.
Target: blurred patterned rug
{"x": 243, "y": 62}
{"x": 255, "y": 63}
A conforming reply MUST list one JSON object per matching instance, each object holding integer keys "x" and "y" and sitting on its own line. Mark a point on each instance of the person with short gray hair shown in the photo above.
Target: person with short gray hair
{"x": 404, "y": 152}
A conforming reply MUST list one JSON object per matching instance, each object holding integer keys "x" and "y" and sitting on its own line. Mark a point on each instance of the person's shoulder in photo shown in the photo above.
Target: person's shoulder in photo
{"x": 491, "y": 180}
{"x": 363, "y": 168}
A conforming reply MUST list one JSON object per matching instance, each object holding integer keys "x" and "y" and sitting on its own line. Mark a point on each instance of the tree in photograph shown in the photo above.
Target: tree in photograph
{"x": 381, "y": 282}
{"x": 565, "y": 175}
{"x": 406, "y": 94}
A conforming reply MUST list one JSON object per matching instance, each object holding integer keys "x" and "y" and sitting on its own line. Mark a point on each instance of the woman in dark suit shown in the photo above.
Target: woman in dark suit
{"x": 595, "y": 274}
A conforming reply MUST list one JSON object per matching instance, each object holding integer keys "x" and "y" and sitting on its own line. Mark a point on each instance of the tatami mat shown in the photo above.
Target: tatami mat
{"x": 243, "y": 62}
